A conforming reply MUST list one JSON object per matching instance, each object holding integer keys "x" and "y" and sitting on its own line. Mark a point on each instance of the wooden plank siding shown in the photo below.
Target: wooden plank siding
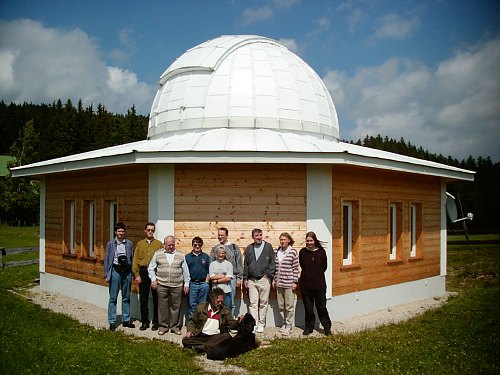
{"x": 375, "y": 190}
{"x": 128, "y": 187}
{"x": 240, "y": 197}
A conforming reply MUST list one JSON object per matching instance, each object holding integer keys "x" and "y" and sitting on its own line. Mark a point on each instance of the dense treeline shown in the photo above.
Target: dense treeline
{"x": 63, "y": 129}
{"x": 34, "y": 133}
{"x": 479, "y": 197}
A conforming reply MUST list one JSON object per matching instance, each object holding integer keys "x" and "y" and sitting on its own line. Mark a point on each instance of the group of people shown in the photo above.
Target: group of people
{"x": 210, "y": 282}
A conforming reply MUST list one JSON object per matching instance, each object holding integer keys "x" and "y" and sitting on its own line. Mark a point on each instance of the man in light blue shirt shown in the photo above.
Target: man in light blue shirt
{"x": 118, "y": 274}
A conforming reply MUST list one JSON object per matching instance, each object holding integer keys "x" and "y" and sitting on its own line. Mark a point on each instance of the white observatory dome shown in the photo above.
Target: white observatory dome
{"x": 242, "y": 82}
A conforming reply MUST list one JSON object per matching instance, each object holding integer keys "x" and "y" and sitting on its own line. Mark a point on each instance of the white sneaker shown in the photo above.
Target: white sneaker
{"x": 283, "y": 328}
{"x": 259, "y": 329}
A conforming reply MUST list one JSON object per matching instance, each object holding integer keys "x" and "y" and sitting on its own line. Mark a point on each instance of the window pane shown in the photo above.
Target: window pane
{"x": 345, "y": 231}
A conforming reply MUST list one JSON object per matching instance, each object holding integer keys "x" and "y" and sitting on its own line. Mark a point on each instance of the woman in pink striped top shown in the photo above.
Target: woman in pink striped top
{"x": 285, "y": 281}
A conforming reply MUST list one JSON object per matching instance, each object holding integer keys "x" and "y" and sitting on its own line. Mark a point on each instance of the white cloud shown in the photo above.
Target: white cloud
{"x": 291, "y": 44}
{"x": 128, "y": 43}
{"x": 254, "y": 15}
{"x": 393, "y": 26}
{"x": 6, "y": 71}
{"x": 266, "y": 12}
{"x": 451, "y": 110}
{"x": 122, "y": 83}
{"x": 354, "y": 19}
{"x": 285, "y": 3}
{"x": 41, "y": 64}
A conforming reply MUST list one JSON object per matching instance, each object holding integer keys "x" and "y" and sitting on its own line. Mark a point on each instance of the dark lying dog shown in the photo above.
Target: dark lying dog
{"x": 243, "y": 342}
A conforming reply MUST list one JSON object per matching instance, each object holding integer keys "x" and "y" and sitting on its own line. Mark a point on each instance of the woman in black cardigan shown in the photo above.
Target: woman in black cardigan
{"x": 313, "y": 262}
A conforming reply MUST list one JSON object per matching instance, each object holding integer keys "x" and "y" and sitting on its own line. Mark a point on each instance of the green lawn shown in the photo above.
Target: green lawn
{"x": 38, "y": 341}
{"x": 462, "y": 337}
{"x": 474, "y": 237}
{"x": 18, "y": 236}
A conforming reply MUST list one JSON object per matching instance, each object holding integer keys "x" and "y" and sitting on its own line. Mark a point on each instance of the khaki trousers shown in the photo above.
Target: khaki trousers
{"x": 169, "y": 306}
{"x": 258, "y": 294}
{"x": 286, "y": 304}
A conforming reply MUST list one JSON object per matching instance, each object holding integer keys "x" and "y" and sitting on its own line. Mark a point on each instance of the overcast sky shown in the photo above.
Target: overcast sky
{"x": 427, "y": 71}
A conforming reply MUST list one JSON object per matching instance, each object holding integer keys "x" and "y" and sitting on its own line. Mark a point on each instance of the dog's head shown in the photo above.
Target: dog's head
{"x": 247, "y": 323}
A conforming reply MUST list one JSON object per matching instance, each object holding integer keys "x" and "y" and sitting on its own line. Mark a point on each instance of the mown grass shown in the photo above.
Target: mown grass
{"x": 462, "y": 337}
{"x": 38, "y": 341}
{"x": 474, "y": 237}
{"x": 18, "y": 236}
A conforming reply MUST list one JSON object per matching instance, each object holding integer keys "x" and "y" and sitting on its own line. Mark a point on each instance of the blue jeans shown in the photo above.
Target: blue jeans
{"x": 233, "y": 293}
{"x": 228, "y": 301}
{"x": 119, "y": 281}
{"x": 198, "y": 292}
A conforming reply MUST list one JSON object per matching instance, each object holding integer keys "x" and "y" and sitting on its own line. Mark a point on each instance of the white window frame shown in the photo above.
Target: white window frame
{"x": 393, "y": 231}
{"x": 347, "y": 241}
{"x": 91, "y": 228}
{"x": 413, "y": 230}
{"x": 72, "y": 227}
{"x": 113, "y": 209}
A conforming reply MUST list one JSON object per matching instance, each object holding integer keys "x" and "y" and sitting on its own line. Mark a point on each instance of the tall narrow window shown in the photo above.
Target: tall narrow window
{"x": 350, "y": 232}
{"x": 392, "y": 231}
{"x": 416, "y": 230}
{"x": 347, "y": 233}
{"x": 88, "y": 229}
{"x": 395, "y": 230}
{"x": 113, "y": 216}
{"x": 69, "y": 227}
{"x": 91, "y": 228}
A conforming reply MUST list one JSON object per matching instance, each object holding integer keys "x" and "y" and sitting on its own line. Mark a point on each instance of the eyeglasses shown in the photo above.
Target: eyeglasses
{"x": 150, "y": 230}
{"x": 171, "y": 245}
{"x": 197, "y": 244}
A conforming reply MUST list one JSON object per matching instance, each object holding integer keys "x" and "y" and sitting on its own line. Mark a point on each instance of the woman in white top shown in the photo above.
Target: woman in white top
{"x": 221, "y": 274}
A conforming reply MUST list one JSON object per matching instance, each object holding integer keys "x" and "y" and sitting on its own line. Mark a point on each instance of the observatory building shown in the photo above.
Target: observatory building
{"x": 244, "y": 134}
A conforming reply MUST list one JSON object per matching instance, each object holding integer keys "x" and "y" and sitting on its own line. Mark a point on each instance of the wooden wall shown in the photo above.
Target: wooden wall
{"x": 240, "y": 197}
{"x": 128, "y": 186}
{"x": 245, "y": 196}
{"x": 375, "y": 190}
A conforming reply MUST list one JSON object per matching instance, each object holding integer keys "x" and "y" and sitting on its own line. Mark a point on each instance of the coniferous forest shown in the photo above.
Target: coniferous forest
{"x": 36, "y": 132}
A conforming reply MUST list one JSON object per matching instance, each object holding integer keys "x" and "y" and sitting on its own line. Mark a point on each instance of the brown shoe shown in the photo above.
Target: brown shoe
{"x": 162, "y": 331}
{"x": 176, "y": 330}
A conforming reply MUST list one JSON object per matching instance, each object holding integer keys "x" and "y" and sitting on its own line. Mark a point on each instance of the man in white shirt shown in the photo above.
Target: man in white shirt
{"x": 210, "y": 323}
{"x": 169, "y": 274}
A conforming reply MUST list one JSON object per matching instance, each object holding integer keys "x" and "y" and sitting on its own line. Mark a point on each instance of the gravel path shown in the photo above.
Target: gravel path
{"x": 97, "y": 317}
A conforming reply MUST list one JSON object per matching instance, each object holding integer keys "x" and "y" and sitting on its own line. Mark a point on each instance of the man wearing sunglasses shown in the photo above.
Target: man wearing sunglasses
{"x": 143, "y": 253}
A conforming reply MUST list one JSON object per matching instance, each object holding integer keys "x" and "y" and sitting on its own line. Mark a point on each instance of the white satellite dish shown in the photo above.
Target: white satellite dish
{"x": 451, "y": 210}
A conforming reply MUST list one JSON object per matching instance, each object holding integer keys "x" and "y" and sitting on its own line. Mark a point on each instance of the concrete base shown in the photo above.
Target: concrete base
{"x": 340, "y": 307}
